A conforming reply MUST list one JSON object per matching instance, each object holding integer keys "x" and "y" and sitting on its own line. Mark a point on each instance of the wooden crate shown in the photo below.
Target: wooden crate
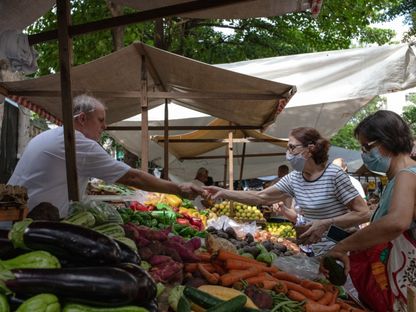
{"x": 13, "y": 213}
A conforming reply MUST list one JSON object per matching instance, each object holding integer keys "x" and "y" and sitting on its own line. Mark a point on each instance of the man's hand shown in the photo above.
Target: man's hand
{"x": 213, "y": 192}
{"x": 190, "y": 190}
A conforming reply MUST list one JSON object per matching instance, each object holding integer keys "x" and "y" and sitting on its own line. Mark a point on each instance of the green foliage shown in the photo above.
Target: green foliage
{"x": 345, "y": 136}
{"x": 406, "y": 8}
{"x": 409, "y": 113}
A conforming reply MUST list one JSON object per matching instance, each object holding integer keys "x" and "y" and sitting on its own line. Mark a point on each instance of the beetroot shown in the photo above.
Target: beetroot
{"x": 193, "y": 244}
{"x": 186, "y": 254}
{"x": 166, "y": 271}
{"x": 260, "y": 298}
{"x": 145, "y": 253}
{"x": 157, "y": 260}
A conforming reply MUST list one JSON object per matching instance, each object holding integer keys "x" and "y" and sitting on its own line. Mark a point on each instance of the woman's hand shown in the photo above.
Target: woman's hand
{"x": 213, "y": 192}
{"x": 281, "y": 209}
{"x": 315, "y": 232}
{"x": 338, "y": 253}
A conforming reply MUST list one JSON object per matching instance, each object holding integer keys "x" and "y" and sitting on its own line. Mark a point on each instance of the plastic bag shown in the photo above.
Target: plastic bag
{"x": 300, "y": 265}
{"x": 241, "y": 229}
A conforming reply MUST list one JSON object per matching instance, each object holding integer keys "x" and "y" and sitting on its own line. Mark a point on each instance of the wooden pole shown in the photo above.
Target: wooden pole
{"x": 145, "y": 117}
{"x": 166, "y": 143}
{"x": 225, "y": 166}
{"x": 243, "y": 157}
{"x": 231, "y": 168}
{"x": 65, "y": 60}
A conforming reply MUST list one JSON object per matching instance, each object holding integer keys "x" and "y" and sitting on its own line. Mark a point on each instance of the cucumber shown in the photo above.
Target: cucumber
{"x": 110, "y": 229}
{"x": 83, "y": 218}
{"x": 129, "y": 242}
{"x": 233, "y": 305}
{"x": 71, "y": 307}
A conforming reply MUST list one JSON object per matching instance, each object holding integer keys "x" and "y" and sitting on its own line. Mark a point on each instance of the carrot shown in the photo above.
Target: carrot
{"x": 230, "y": 278}
{"x": 209, "y": 267}
{"x": 304, "y": 291}
{"x": 265, "y": 284}
{"x": 223, "y": 255}
{"x": 350, "y": 308}
{"x": 326, "y": 299}
{"x": 211, "y": 278}
{"x": 311, "y": 284}
{"x": 318, "y": 293}
{"x": 233, "y": 264}
{"x": 317, "y": 307}
{"x": 335, "y": 296}
{"x": 218, "y": 267}
{"x": 280, "y": 287}
{"x": 190, "y": 267}
{"x": 280, "y": 275}
{"x": 204, "y": 256}
{"x": 295, "y": 295}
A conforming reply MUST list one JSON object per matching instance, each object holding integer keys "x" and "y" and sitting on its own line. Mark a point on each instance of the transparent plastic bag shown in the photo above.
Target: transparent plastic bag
{"x": 241, "y": 229}
{"x": 300, "y": 265}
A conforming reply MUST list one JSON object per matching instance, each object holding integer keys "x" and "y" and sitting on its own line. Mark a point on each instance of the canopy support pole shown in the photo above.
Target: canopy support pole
{"x": 243, "y": 157}
{"x": 230, "y": 161}
{"x": 166, "y": 144}
{"x": 225, "y": 166}
{"x": 145, "y": 118}
{"x": 65, "y": 60}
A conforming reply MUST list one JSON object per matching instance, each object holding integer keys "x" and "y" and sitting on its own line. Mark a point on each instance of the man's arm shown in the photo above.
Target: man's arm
{"x": 148, "y": 182}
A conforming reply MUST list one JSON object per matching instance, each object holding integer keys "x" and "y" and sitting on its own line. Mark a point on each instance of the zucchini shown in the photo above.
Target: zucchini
{"x": 232, "y": 305}
{"x": 207, "y": 301}
{"x": 128, "y": 241}
{"x": 71, "y": 307}
{"x": 225, "y": 293}
{"x": 183, "y": 305}
{"x": 83, "y": 218}
{"x": 104, "y": 213}
{"x": 336, "y": 274}
{"x": 68, "y": 241}
{"x": 100, "y": 285}
{"x": 111, "y": 229}
{"x": 4, "y": 304}
{"x": 32, "y": 260}
{"x": 40, "y": 303}
{"x": 127, "y": 254}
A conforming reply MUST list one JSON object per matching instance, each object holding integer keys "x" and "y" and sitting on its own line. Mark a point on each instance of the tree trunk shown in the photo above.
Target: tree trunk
{"x": 117, "y": 32}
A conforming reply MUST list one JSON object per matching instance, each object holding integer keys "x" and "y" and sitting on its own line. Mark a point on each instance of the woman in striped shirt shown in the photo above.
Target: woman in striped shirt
{"x": 323, "y": 191}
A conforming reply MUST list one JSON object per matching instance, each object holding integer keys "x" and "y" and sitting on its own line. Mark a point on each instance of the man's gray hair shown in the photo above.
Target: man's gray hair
{"x": 85, "y": 104}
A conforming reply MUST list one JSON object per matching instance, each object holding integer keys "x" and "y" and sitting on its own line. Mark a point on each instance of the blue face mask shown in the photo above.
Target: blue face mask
{"x": 374, "y": 161}
{"x": 296, "y": 161}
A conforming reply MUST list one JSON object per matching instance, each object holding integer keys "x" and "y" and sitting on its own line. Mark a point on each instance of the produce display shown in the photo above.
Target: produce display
{"x": 155, "y": 256}
{"x": 241, "y": 212}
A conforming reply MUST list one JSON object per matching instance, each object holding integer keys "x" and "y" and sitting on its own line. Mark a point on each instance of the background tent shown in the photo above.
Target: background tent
{"x": 331, "y": 87}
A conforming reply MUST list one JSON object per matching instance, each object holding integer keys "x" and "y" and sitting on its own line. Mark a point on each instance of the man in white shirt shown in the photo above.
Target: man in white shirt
{"x": 200, "y": 180}
{"x": 340, "y": 162}
{"x": 41, "y": 168}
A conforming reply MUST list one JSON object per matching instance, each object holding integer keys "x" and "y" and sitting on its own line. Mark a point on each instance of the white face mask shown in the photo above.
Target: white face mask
{"x": 296, "y": 161}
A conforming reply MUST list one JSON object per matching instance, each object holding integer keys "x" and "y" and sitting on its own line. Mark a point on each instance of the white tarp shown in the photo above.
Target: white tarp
{"x": 331, "y": 86}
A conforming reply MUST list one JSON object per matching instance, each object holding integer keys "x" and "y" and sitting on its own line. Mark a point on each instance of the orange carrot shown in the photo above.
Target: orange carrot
{"x": 311, "y": 284}
{"x": 295, "y": 295}
{"x": 350, "y": 308}
{"x": 209, "y": 267}
{"x": 304, "y": 291}
{"x": 211, "y": 278}
{"x": 317, "y": 307}
{"x": 265, "y": 284}
{"x": 191, "y": 267}
{"x": 230, "y": 278}
{"x": 280, "y": 287}
{"x": 335, "y": 296}
{"x": 233, "y": 264}
{"x": 218, "y": 267}
{"x": 318, "y": 294}
{"x": 224, "y": 255}
{"x": 204, "y": 256}
{"x": 326, "y": 299}
{"x": 280, "y": 275}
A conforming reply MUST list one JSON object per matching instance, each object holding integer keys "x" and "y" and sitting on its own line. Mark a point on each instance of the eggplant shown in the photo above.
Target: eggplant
{"x": 7, "y": 250}
{"x": 151, "y": 306}
{"x": 127, "y": 254}
{"x": 101, "y": 286}
{"x": 66, "y": 241}
{"x": 147, "y": 286}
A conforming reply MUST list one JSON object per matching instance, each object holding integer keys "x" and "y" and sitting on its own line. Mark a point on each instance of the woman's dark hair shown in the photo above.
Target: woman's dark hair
{"x": 307, "y": 136}
{"x": 389, "y": 129}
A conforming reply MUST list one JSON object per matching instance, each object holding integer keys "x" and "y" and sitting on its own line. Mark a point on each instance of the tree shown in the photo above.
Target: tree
{"x": 409, "y": 113}
{"x": 345, "y": 136}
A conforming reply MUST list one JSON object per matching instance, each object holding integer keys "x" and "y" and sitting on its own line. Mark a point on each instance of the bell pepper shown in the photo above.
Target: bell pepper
{"x": 173, "y": 200}
{"x": 182, "y": 221}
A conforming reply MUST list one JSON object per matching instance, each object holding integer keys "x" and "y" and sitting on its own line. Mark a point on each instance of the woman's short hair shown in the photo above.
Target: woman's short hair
{"x": 310, "y": 136}
{"x": 389, "y": 129}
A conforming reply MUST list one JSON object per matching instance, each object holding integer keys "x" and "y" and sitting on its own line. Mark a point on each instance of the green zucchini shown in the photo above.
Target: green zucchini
{"x": 71, "y": 307}
{"x": 110, "y": 229}
{"x": 104, "y": 213}
{"x": 40, "y": 303}
{"x": 83, "y": 218}
{"x": 336, "y": 273}
{"x": 206, "y": 301}
{"x": 4, "y": 304}
{"x": 183, "y": 305}
{"x": 38, "y": 259}
{"x": 233, "y": 305}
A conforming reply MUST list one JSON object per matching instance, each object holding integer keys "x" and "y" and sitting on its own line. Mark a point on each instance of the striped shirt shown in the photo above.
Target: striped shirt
{"x": 324, "y": 198}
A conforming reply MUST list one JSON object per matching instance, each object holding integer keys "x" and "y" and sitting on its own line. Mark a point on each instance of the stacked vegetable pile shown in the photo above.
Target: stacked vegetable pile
{"x": 265, "y": 287}
{"x": 284, "y": 229}
{"x": 73, "y": 266}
